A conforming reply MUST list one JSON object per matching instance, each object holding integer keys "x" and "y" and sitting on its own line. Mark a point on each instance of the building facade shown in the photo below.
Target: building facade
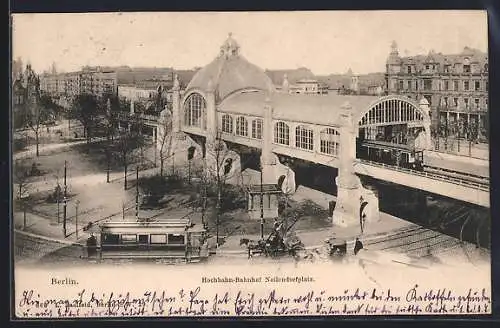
{"x": 17, "y": 68}
{"x": 455, "y": 85}
{"x": 92, "y": 80}
{"x": 25, "y": 95}
{"x": 98, "y": 81}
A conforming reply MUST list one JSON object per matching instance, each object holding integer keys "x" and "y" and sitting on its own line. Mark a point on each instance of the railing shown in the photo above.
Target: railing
{"x": 149, "y": 117}
{"x": 128, "y": 115}
{"x": 444, "y": 178}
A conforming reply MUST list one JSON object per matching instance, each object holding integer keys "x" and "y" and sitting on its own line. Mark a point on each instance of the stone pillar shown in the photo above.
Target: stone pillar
{"x": 349, "y": 189}
{"x": 176, "y": 106}
{"x": 424, "y": 105}
{"x": 267, "y": 158}
{"x": 317, "y": 140}
{"x": 286, "y": 85}
{"x": 212, "y": 122}
{"x": 132, "y": 111}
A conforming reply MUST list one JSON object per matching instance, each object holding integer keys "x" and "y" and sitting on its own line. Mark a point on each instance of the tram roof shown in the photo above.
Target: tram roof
{"x": 151, "y": 227}
{"x": 321, "y": 109}
{"x": 150, "y": 230}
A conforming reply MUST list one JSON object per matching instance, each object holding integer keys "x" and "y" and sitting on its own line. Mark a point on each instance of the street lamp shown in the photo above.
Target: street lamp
{"x": 23, "y": 197}
{"x": 65, "y": 204}
{"x": 261, "y": 204}
{"x": 77, "y": 203}
{"x": 65, "y": 199}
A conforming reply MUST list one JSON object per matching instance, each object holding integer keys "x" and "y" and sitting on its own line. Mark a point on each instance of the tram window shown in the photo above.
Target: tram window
{"x": 143, "y": 239}
{"x": 127, "y": 239}
{"x": 158, "y": 239}
{"x": 110, "y": 239}
{"x": 176, "y": 239}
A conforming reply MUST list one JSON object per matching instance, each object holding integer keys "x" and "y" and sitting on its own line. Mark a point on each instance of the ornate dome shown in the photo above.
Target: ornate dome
{"x": 230, "y": 72}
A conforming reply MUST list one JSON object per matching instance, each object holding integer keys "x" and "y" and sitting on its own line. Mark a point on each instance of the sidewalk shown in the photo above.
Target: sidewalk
{"x": 49, "y": 229}
{"x": 457, "y": 163}
{"x": 387, "y": 225}
{"x": 477, "y": 151}
{"x": 48, "y": 149}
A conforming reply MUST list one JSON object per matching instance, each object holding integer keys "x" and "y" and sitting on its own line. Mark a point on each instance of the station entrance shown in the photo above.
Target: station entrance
{"x": 392, "y": 132}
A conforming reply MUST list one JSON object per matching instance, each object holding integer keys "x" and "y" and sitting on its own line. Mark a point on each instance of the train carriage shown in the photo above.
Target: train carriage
{"x": 391, "y": 154}
{"x": 167, "y": 239}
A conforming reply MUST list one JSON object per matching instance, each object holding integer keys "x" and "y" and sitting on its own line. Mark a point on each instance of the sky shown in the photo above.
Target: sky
{"x": 326, "y": 42}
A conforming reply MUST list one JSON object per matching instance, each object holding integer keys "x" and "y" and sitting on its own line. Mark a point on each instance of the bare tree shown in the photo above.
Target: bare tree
{"x": 36, "y": 113}
{"x": 109, "y": 106}
{"x": 219, "y": 169}
{"x": 165, "y": 143}
{"x": 22, "y": 173}
{"x": 87, "y": 110}
{"x": 127, "y": 144}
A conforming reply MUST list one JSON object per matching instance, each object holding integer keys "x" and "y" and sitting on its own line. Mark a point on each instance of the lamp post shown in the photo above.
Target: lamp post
{"x": 23, "y": 197}
{"x": 108, "y": 158}
{"x": 137, "y": 193}
{"x": 261, "y": 204}
{"x": 65, "y": 204}
{"x": 65, "y": 200}
{"x": 77, "y": 203}
{"x": 217, "y": 217}
{"x": 58, "y": 195}
{"x": 155, "y": 140}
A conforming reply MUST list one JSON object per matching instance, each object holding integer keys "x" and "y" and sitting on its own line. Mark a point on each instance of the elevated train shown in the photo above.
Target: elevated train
{"x": 390, "y": 153}
{"x": 406, "y": 156}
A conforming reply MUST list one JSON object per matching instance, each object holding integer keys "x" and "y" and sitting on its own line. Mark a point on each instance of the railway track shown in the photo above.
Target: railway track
{"x": 459, "y": 178}
{"x": 456, "y": 174}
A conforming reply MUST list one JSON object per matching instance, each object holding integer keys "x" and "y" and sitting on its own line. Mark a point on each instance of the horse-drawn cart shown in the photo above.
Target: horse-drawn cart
{"x": 279, "y": 243}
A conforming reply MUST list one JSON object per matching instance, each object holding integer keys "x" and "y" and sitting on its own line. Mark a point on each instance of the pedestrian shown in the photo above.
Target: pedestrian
{"x": 357, "y": 246}
{"x": 91, "y": 245}
{"x": 276, "y": 224}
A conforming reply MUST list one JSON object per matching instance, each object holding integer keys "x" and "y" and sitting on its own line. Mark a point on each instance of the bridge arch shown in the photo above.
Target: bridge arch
{"x": 393, "y": 109}
{"x": 394, "y": 130}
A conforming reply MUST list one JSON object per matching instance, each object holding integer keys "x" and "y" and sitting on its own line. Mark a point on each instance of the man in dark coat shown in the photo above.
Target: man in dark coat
{"x": 357, "y": 246}
{"x": 91, "y": 245}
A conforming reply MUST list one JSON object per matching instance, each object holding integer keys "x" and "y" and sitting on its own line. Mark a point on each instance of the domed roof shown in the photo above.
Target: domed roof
{"x": 230, "y": 72}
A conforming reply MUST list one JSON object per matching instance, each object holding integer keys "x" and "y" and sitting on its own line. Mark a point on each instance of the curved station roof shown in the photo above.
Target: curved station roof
{"x": 243, "y": 88}
{"x": 315, "y": 109}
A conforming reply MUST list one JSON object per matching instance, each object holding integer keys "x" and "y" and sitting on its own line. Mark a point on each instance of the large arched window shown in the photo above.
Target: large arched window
{"x": 257, "y": 128}
{"x": 242, "y": 126}
{"x": 304, "y": 137}
{"x": 227, "y": 123}
{"x": 329, "y": 141}
{"x": 194, "y": 108}
{"x": 281, "y": 133}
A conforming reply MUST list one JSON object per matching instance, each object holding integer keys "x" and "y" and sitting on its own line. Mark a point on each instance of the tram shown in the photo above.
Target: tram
{"x": 389, "y": 153}
{"x": 166, "y": 239}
